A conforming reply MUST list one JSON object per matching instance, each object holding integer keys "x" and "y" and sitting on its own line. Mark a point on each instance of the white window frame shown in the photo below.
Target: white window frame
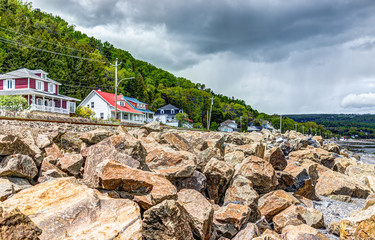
{"x": 72, "y": 107}
{"x": 9, "y": 84}
{"x": 172, "y": 111}
{"x": 51, "y": 88}
{"x": 92, "y": 104}
{"x": 39, "y": 101}
{"x": 41, "y": 87}
{"x": 162, "y": 111}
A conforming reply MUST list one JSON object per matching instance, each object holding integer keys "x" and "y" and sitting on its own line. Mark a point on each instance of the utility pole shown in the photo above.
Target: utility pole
{"x": 303, "y": 130}
{"x": 116, "y": 65}
{"x": 315, "y": 132}
{"x": 241, "y": 122}
{"x": 296, "y": 126}
{"x": 281, "y": 123}
{"x": 209, "y": 121}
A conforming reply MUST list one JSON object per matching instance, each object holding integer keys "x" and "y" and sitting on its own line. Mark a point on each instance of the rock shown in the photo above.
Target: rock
{"x": 71, "y": 164}
{"x": 335, "y": 228}
{"x": 205, "y": 156}
{"x": 260, "y": 173}
{"x": 16, "y": 226}
{"x": 234, "y": 158}
{"x": 274, "y": 202}
{"x": 269, "y": 235}
{"x": 121, "y": 130}
{"x": 176, "y": 142}
{"x": 296, "y": 215}
{"x": 360, "y": 172}
{"x": 370, "y": 200}
{"x": 341, "y": 198}
{"x": 313, "y": 142}
{"x": 218, "y": 174}
{"x": 276, "y": 157}
{"x": 170, "y": 163}
{"x": 148, "y": 188}
{"x": 249, "y": 232}
{"x": 229, "y": 219}
{"x": 285, "y": 180}
{"x": 331, "y": 147}
{"x": 302, "y": 232}
{"x": 10, "y": 144}
{"x": 317, "y": 155}
{"x": 18, "y": 165}
{"x": 240, "y": 191}
{"x": 319, "y": 139}
{"x": 360, "y": 225}
{"x": 213, "y": 140}
{"x": 53, "y": 151}
{"x": 43, "y": 141}
{"x": 334, "y": 183}
{"x": 95, "y": 136}
{"x": 167, "y": 220}
{"x": 341, "y": 164}
{"x": 12, "y": 185}
{"x": 197, "y": 181}
{"x": 199, "y": 210}
{"x": 49, "y": 171}
{"x": 152, "y": 127}
{"x": 54, "y": 205}
{"x": 255, "y": 149}
{"x": 97, "y": 154}
{"x": 299, "y": 174}
{"x": 71, "y": 142}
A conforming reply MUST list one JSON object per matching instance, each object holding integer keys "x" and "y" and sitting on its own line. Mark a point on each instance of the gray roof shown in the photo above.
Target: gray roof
{"x": 27, "y": 73}
{"x": 168, "y": 107}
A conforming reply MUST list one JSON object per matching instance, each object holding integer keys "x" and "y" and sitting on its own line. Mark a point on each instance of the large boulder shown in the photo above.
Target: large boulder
{"x": 234, "y": 158}
{"x": 360, "y": 225}
{"x": 218, "y": 174}
{"x": 14, "y": 225}
{"x": 18, "y": 165}
{"x": 199, "y": 210}
{"x": 317, "y": 155}
{"x": 360, "y": 172}
{"x": 71, "y": 163}
{"x": 49, "y": 170}
{"x": 274, "y": 202}
{"x": 229, "y": 219}
{"x": 206, "y": 155}
{"x": 95, "y": 136}
{"x": 241, "y": 191}
{"x": 296, "y": 215}
{"x": 167, "y": 220}
{"x": 152, "y": 127}
{"x": 331, "y": 147}
{"x": 176, "y": 142}
{"x": 170, "y": 163}
{"x": 254, "y": 149}
{"x": 276, "y": 157}
{"x": 341, "y": 164}
{"x": 12, "y": 185}
{"x": 334, "y": 183}
{"x": 54, "y": 205}
{"x": 197, "y": 181}
{"x": 302, "y": 232}
{"x": 10, "y": 144}
{"x": 148, "y": 188}
{"x": 249, "y": 232}
{"x": 260, "y": 173}
{"x": 53, "y": 151}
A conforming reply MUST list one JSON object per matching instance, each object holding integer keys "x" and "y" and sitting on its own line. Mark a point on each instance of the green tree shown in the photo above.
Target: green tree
{"x": 13, "y": 104}
{"x": 85, "y": 112}
{"x": 181, "y": 118}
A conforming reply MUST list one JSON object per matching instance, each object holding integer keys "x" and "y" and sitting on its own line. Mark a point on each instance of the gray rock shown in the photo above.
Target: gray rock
{"x": 18, "y": 165}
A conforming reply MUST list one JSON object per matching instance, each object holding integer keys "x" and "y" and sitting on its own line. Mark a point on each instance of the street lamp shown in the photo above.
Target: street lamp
{"x": 116, "y": 85}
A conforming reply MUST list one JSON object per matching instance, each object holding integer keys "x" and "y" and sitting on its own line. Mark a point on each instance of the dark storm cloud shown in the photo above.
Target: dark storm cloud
{"x": 257, "y": 30}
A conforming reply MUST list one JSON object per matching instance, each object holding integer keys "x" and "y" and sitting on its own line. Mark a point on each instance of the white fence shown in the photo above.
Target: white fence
{"x": 48, "y": 109}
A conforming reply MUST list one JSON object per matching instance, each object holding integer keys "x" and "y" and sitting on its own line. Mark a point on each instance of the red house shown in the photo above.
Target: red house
{"x": 41, "y": 92}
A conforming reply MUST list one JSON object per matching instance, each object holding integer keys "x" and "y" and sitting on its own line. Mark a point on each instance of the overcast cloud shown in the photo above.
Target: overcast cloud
{"x": 295, "y": 56}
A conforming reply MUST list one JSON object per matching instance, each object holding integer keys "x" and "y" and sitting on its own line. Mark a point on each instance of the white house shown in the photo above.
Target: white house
{"x": 103, "y": 104}
{"x": 166, "y": 115}
{"x": 41, "y": 92}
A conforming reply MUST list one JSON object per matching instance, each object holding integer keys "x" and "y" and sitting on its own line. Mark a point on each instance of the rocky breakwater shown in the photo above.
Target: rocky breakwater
{"x": 150, "y": 183}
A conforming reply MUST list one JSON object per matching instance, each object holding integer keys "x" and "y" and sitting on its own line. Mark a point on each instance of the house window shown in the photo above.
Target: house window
{"x": 172, "y": 111}
{"x": 72, "y": 106}
{"x": 101, "y": 115}
{"x": 161, "y": 111}
{"x": 40, "y": 85}
{"x": 122, "y": 104}
{"x": 39, "y": 101}
{"x": 92, "y": 105}
{"x": 88, "y": 105}
{"x": 9, "y": 84}
{"x": 51, "y": 88}
{"x": 180, "y": 111}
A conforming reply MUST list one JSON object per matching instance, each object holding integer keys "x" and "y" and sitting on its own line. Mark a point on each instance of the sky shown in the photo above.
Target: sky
{"x": 280, "y": 56}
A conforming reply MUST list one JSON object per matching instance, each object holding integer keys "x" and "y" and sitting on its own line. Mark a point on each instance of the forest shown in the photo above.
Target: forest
{"x": 35, "y": 39}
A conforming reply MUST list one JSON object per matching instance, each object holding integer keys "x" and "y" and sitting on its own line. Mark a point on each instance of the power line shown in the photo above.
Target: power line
{"x": 55, "y": 44}
{"x": 4, "y": 40}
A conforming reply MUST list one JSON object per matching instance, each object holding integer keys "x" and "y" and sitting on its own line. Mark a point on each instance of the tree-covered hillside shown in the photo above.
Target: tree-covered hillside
{"x": 34, "y": 39}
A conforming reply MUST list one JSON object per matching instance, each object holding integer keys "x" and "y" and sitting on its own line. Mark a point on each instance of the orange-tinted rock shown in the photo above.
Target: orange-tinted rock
{"x": 276, "y": 157}
{"x": 218, "y": 174}
{"x": 95, "y": 136}
{"x": 49, "y": 171}
{"x": 360, "y": 225}
{"x": 274, "y": 202}
{"x": 18, "y": 165}
{"x": 71, "y": 163}
{"x": 317, "y": 155}
{"x": 260, "y": 173}
{"x": 302, "y": 232}
{"x": 149, "y": 188}
{"x": 10, "y": 144}
{"x": 331, "y": 147}
{"x": 255, "y": 149}
{"x": 199, "y": 210}
{"x": 269, "y": 235}
{"x": 241, "y": 191}
{"x": 170, "y": 163}
{"x": 249, "y": 232}
{"x": 176, "y": 142}
{"x": 234, "y": 158}
{"x": 334, "y": 183}
{"x": 53, "y": 151}
{"x": 167, "y": 220}
{"x": 228, "y": 220}
{"x": 341, "y": 164}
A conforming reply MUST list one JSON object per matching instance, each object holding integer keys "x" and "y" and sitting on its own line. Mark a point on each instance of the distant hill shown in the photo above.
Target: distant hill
{"x": 357, "y": 125}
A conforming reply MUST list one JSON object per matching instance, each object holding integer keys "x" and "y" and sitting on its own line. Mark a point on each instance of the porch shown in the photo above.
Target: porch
{"x": 43, "y": 108}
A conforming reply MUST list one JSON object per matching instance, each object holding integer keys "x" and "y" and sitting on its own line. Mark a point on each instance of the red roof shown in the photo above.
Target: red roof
{"x": 110, "y": 98}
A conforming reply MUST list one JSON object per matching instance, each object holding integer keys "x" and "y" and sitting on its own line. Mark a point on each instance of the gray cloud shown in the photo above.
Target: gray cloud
{"x": 295, "y": 56}
{"x": 359, "y": 100}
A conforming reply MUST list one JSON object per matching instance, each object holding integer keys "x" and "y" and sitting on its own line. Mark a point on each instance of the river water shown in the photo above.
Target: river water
{"x": 365, "y": 148}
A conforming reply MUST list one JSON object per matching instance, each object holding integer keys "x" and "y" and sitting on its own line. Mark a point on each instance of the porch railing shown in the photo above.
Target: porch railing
{"x": 43, "y": 108}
